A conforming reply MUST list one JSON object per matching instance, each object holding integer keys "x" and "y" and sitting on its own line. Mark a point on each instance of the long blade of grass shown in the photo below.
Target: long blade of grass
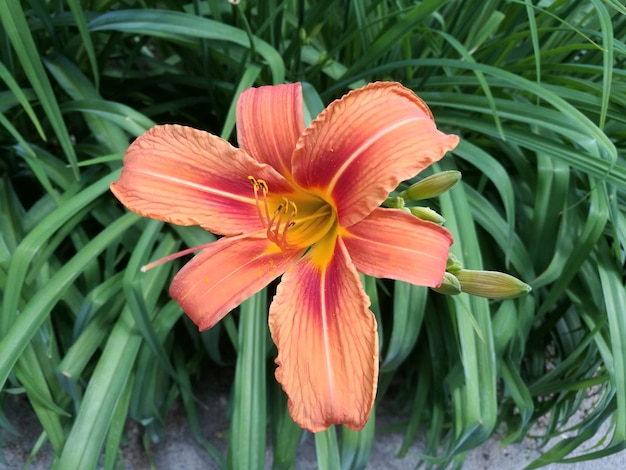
{"x": 286, "y": 434}
{"x": 35, "y": 240}
{"x": 356, "y": 446}
{"x": 80, "y": 88}
{"x": 174, "y": 25}
{"x": 36, "y": 311}
{"x": 247, "y": 435}
{"x": 112, "y": 373}
{"x": 116, "y": 429}
{"x": 606, "y": 27}
{"x": 393, "y": 33}
{"x": 409, "y": 304}
{"x": 614, "y": 295}
{"x": 31, "y": 376}
{"x": 16, "y": 27}
{"x": 19, "y": 94}
{"x": 248, "y": 78}
{"x": 81, "y": 24}
{"x": 327, "y": 449}
{"x": 478, "y": 401}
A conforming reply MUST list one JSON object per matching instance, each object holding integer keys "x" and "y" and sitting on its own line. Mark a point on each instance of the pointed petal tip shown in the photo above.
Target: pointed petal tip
{"x": 316, "y": 426}
{"x": 319, "y": 420}
{"x": 327, "y": 343}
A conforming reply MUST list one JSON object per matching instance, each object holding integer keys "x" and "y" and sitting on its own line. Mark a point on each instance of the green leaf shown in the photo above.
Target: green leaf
{"x": 356, "y": 446}
{"x": 18, "y": 32}
{"x": 476, "y": 402}
{"x": 286, "y": 434}
{"x": 409, "y": 304}
{"x": 21, "y": 97}
{"x": 327, "y": 449}
{"x": 173, "y": 25}
{"x": 247, "y": 435}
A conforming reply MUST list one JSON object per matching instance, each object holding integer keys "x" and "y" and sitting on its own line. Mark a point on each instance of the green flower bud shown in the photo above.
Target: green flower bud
{"x": 395, "y": 202}
{"x": 453, "y": 264}
{"x": 491, "y": 284}
{"x": 449, "y": 286}
{"x": 432, "y": 186}
{"x": 426, "y": 213}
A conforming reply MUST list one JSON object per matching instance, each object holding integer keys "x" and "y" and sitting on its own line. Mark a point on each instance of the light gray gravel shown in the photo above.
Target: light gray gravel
{"x": 179, "y": 451}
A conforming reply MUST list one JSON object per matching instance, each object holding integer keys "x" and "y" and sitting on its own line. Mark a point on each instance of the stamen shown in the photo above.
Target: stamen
{"x": 262, "y": 185}
{"x": 277, "y": 225}
{"x": 272, "y": 233}
{"x": 288, "y": 224}
{"x": 265, "y": 189}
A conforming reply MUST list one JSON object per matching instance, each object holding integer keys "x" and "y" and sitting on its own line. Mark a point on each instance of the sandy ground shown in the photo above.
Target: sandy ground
{"x": 179, "y": 451}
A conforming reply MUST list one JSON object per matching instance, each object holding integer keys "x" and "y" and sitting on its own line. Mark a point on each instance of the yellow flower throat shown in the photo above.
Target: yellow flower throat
{"x": 297, "y": 220}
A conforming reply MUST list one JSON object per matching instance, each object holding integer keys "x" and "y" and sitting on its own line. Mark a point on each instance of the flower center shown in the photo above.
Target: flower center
{"x": 297, "y": 220}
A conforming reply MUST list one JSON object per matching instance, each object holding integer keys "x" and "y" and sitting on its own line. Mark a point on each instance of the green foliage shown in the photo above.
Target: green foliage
{"x": 537, "y": 90}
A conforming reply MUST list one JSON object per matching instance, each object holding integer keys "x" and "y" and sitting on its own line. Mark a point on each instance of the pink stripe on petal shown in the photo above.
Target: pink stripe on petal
{"x": 189, "y": 177}
{"x": 269, "y": 123}
{"x": 225, "y": 274}
{"x": 392, "y": 244}
{"x": 327, "y": 341}
{"x": 362, "y": 146}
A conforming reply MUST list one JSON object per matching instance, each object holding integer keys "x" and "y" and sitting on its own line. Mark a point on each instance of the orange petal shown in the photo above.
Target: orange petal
{"x": 269, "y": 123}
{"x": 225, "y": 274}
{"x": 358, "y": 149}
{"x": 327, "y": 340}
{"x": 393, "y": 244}
{"x": 189, "y": 177}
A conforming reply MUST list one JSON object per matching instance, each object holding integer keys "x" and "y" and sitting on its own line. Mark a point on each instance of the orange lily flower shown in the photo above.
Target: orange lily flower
{"x": 304, "y": 204}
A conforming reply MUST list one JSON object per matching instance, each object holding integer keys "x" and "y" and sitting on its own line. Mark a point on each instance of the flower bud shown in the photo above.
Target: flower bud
{"x": 432, "y": 186}
{"x": 453, "y": 264}
{"x": 426, "y": 213}
{"x": 491, "y": 284}
{"x": 449, "y": 286}
{"x": 395, "y": 202}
